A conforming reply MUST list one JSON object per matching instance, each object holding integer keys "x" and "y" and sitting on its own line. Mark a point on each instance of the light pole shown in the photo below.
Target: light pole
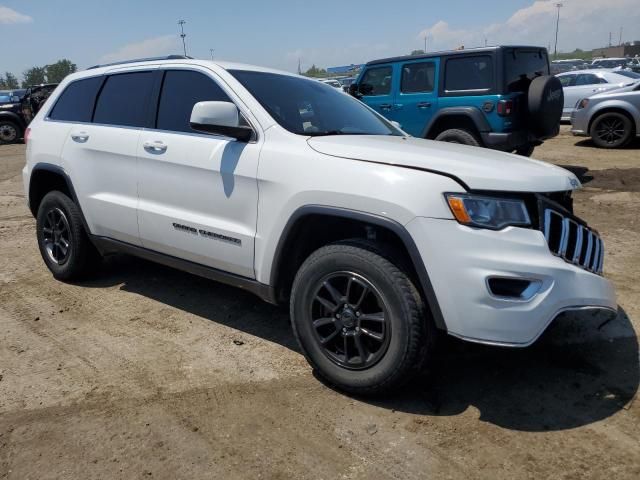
{"x": 182, "y": 35}
{"x": 212, "y": 50}
{"x": 555, "y": 48}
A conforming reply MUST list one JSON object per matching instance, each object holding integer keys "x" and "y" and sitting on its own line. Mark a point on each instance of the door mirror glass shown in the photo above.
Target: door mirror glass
{"x": 222, "y": 118}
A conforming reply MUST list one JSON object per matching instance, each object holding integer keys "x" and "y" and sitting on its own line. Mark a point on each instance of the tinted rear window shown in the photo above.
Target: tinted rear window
{"x": 76, "y": 102}
{"x": 123, "y": 100}
{"x": 181, "y": 90}
{"x": 522, "y": 66}
{"x": 469, "y": 74}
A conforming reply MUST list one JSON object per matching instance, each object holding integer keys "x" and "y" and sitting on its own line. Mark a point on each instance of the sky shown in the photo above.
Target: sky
{"x": 278, "y": 33}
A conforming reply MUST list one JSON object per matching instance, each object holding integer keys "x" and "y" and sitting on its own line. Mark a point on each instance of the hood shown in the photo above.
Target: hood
{"x": 478, "y": 168}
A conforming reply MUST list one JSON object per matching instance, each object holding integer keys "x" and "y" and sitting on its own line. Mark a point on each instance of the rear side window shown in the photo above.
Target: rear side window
{"x": 567, "y": 80}
{"x": 521, "y": 66}
{"x": 77, "y": 101}
{"x": 469, "y": 74}
{"x": 123, "y": 100}
{"x": 418, "y": 77}
{"x": 376, "y": 81}
{"x": 181, "y": 90}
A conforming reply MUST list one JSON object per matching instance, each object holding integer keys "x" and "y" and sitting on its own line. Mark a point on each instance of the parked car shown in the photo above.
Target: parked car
{"x": 12, "y": 123}
{"x": 611, "y": 119}
{"x": 609, "y": 62}
{"x": 582, "y": 84}
{"x": 560, "y": 66}
{"x": 332, "y": 82}
{"x": 495, "y": 97}
{"x": 346, "y": 83}
{"x": 34, "y": 98}
{"x": 634, "y": 64}
{"x": 375, "y": 239}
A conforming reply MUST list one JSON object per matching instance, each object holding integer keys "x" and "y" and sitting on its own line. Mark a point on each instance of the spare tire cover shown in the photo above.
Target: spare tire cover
{"x": 545, "y": 103}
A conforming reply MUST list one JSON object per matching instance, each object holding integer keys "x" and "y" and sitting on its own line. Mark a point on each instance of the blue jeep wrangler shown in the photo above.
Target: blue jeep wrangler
{"x": 495, "y": 97}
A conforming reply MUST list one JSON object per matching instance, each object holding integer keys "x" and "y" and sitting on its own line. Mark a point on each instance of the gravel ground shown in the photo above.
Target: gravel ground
{"x": 147, "y": 372}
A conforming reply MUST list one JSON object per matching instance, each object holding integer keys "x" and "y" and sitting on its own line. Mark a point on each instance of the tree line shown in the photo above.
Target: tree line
{"x": 53, "y": 73}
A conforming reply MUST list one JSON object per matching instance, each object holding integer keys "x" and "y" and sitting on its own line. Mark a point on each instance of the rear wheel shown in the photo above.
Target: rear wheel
{"x": 611, "y": 130}
{"x": 9, "y": 132}
{"x": 359, "y": 319}
{"x": 456, "y": 135}
{"x": 63, "y": 243}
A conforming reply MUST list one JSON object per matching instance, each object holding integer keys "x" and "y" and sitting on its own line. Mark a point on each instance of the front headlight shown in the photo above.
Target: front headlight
{"x": 494, "y": 213}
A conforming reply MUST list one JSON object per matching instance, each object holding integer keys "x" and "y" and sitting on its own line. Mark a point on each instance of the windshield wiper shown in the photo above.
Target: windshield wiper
{"x": 334, "y": 132}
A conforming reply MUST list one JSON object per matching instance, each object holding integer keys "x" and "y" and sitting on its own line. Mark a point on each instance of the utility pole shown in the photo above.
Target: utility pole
{"x": 299, "y": 68}
{"x": 609, "y": 38}
{"x": 212, "y": 50}
{"x": 425, "y": 42}
{"x": 182, "y": 35}
{"x": 555, "y": 48}
{"x": 620, "y": 39}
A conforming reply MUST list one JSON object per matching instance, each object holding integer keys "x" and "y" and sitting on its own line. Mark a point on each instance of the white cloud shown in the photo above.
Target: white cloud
{"x": 7, "y": 16}
{"x": 164, "y": 45}
{"x": 332, "y": 57}
{"x": 583, "y": 24}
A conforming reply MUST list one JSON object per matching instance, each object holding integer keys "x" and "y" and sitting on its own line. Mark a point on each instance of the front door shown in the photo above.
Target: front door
{"x": 376, "y": 89}
{"x": 198, "y": 193}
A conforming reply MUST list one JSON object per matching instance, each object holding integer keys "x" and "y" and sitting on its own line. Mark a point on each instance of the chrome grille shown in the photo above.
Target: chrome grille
{"x": 573, "y": 242}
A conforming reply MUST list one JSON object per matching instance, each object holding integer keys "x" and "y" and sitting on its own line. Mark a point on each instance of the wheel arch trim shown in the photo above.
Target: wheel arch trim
{"x": 473, "y": 113}
{"x": 405, "y": 237}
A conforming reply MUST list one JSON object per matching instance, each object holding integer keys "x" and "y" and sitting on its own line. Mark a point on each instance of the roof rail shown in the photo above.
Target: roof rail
{"x": 148, "y": 59}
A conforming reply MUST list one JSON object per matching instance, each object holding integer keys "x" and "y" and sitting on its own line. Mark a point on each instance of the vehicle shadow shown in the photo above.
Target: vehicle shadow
{"x": 588, "y": 143}
{"x": 583, "y": 369}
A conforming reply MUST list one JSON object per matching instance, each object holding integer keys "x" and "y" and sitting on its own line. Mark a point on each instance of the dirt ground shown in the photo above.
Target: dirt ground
{"x": 147, "y": 372}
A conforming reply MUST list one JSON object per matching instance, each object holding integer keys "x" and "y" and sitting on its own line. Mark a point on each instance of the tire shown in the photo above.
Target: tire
{"x": 611, "y": 130}
{"x": 525, "y": 150}
{"x": 9, "y": 132}
{"x": 397, "y": 345}
{"x": 545, "y": 100}
{"x": 455, "y": 135}
{"x": 59, "y": 223}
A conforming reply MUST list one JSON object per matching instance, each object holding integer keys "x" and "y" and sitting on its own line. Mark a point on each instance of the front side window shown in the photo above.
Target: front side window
{"x": 311, "y": 108}
{"x": 587, "y": 79}
{"x": 124, "y": 99}
{"x": 77, "y": 101}
{"x": 468, "y": 74}
{"x": 418, "y": 77}
{"x": 181, "y": 90}
{"x": 376, "y": 81}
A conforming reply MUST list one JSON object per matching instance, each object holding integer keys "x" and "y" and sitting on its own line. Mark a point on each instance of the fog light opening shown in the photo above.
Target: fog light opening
{"x": 521, "y": 289}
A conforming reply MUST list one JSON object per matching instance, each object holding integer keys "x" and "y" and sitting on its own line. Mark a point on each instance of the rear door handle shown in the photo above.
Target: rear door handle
{"x": 385, "y": 106}
{"x": 80, "y": 137}
{"x": 424, "y": 105}
{"x": 156, "y": 147}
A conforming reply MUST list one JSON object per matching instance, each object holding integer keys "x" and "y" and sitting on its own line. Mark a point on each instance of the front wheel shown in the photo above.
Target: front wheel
{"x": 611, "y": 130}
{"x": 359, "y": 319}
{"x": 9, "y": 132}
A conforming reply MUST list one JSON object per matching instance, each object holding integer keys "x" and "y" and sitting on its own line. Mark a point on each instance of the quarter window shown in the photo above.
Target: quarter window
{"x": 77, "y": 101}
{"x": 418, "y": 77}
{"x": 469, "y": 73}
{"x": 376, "y": 81}
{"x": 181, "y": 90}
{"x": 124, "y": 99}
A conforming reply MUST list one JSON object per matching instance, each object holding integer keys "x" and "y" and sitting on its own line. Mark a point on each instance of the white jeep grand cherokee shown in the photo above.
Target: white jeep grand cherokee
{"x": 296, "y": 192}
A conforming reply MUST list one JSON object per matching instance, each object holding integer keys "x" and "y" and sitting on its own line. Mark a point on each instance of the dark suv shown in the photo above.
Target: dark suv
{"x": 11, "y": 120}
{"x": 496, "y": 97}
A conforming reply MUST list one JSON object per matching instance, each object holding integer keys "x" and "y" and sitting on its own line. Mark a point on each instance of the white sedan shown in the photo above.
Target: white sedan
{"x": 584, "y": 83}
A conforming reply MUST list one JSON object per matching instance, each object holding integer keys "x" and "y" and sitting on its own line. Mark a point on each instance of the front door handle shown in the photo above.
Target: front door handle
{"x": 424, "y": 105}
{"x": 385, "y": 106}
{"x": 80, "y": 137}
{"x": 156, "y": 147}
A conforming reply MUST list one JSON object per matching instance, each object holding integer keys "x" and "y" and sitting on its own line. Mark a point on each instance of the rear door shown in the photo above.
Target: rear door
{"x": 198, "y": 193}
{"x": 417, "y": 98}
{"x": 377, "y": 87}
{"x": 101, "y": 156}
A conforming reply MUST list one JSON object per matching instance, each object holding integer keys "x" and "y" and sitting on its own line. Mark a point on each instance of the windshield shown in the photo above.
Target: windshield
{"x": 311, "y": 108}
{"x": 522, "y": 66}
{"x": 629, "y": 74}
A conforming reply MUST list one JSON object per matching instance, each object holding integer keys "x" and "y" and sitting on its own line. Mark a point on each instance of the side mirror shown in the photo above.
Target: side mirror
{"x": 221, "y": 118}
